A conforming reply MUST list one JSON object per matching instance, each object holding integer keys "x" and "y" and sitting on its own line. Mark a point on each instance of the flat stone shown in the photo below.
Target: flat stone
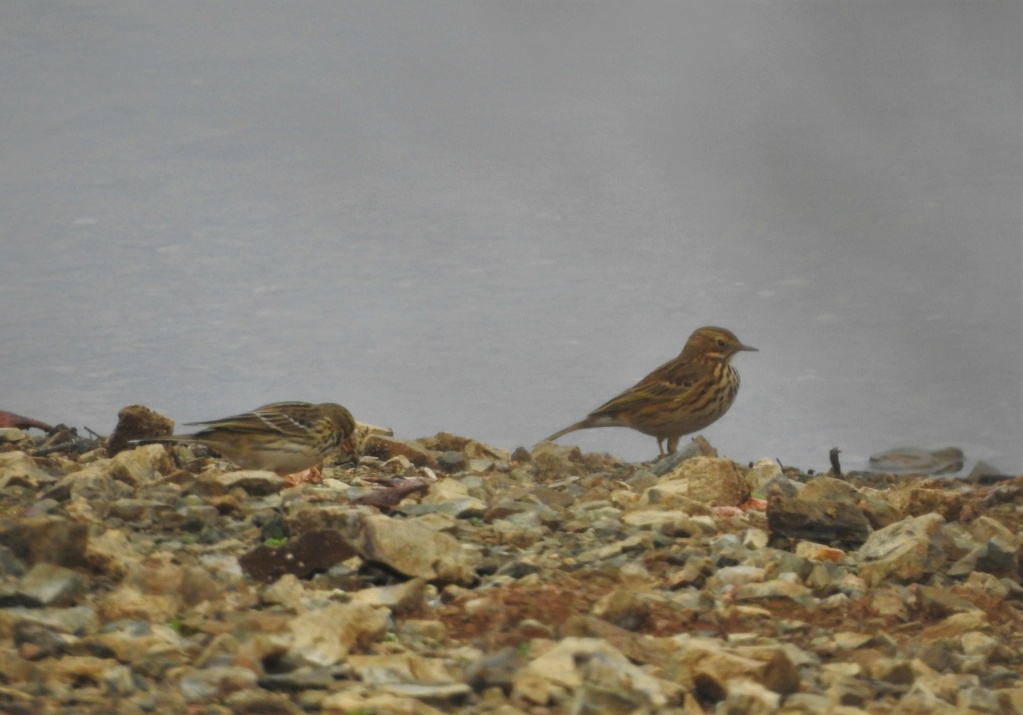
{"x": 762, "y": 472}
{"x": 917, "y": 501}
{"x": 18, "y": 469}
{"x": 137, "y": 422}
{"x": 364, "y": 700}
{"x": 413, "y": 549}
{"x": 256, "y": 482}
{"x": 399, "y": 598}
{"x": 824, "y": 521}
{"x": 566, "y": 667}
{"x": 309, "y": 553}
{"x": 325, "y": 636}
{"x": 745, "y": 697}
{"x": 141, "y": 465}
{"x": 385, "y": 448}
{"x": 712, "y": 666}
{"x": 215, "y": 683}
{"x": 706, "y": 480}
{"x": 50, "y": 539}
{"x": 259, "y": 702}
{"x": 819, "y": 552}
{"x": 141, "y": 510}
{"x": 76, "y": 620}
{"x": 302, "y": 678}
{"x": 447, "y": 694}
{"x": 910, "y": 460}
{"x": 51, "y": 585}
{"x": 904, "y": 551}
{"x": 776, "y": 589}
{"x": 496, "y": 669}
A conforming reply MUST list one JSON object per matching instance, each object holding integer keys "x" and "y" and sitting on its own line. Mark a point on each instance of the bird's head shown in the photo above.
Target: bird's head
{"x": 711, "y": 343}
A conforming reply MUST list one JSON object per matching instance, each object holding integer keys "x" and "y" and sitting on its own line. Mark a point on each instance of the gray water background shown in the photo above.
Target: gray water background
{"x": 490, "y": 217}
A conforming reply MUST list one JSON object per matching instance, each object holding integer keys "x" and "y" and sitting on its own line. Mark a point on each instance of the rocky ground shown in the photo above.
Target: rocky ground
{"x": 442, "y": 575}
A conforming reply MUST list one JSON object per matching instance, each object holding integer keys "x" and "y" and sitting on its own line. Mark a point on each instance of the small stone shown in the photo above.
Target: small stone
{"x": 529, "y": 628}
{"x": 847, "y": 641}
{"x": 979, "y": 700}
{"x": 451, "y": 461}
{"x": 413, "y": 549}
{"x": 445, "y": 695}
{"x": 739, "y": 575}
{"x": 362, "y": 700}
{"x": 139, "y": 510}
{"x": 761, "y": 473}
{"x": 52, "y": 539}
{"x": 50, "y": 585}
{"x": 984, "y": 473}
{"x": 904, "y": 551}
{"x": 976, "y": 643}
{"x": 956, "y": 625}
{"x": 940, "y": 602}
{"x": 137, "y": 422}
{"x": 706, "y": 480}
{"x": 18, "y": 469}
{"x": 259, "y": 702}
{"x": 398, "y": 598}
{"x": 641, "y": 479}
{"x": 713, "y": 666}
{"x": 256, "y": 482}
{"x": 897, "y": 671}
{"x": 423, "y": 630}
{"x": 776, "y": 589}
{"x": 119, "y": 681}
{"x": 746, "y": 697}
{"x": 495, "y": 670}
{"x": 141, "y": 465}
{"x": 697, "y": 447}
{"x": 917, "y": 501}
{"x": 811, "y": 704}
{"x": 819, "y": 552}
{"x": 819, "y": 520}
{"x": 755, "y": 539}
{"x": 575, "y": 661}
{"x": 385, "y": 448}
{"x": 302, "y": 678}
{"x": 325, "y": 636}
{"x": 215, "y": 683}
{"x": 303, "y": 556}
{"x": 999, "y": 557}
{"x": 910, "y": 460}
{"x": 78, "y": 669}
{"x": 624, "y": 607}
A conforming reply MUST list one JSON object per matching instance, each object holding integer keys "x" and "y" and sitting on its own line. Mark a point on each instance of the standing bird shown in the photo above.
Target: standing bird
{"x": 680, "y": 397}
{"x": 282, "y": 437}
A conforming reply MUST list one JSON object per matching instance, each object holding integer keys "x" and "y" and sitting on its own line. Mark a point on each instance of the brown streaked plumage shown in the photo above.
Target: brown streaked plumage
{"x": 282, "y": 437}
{"x": 680, "y": 397}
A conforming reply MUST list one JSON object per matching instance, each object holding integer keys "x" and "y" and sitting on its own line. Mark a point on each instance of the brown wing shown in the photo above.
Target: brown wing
{"x": 670, "y": 382}
{"x": 285, "y": 418}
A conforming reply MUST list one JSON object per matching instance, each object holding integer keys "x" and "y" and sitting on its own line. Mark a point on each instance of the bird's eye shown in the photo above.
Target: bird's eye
{"x": 722, "y": 343}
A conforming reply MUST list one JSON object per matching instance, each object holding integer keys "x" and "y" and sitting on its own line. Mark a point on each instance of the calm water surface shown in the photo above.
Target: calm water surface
{"x": 488, "y": 218}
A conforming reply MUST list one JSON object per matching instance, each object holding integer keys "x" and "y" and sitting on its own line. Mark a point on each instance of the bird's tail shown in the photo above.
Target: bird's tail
{"x": 159, "y": 440}
{"x": 582, "y": 424}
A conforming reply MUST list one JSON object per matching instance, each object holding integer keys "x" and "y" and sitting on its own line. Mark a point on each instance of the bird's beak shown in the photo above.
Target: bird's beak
{"x": 748, "y": 348}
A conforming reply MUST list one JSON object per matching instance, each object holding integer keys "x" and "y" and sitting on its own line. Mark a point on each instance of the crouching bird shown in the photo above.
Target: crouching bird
{"x": 282, "y": 437}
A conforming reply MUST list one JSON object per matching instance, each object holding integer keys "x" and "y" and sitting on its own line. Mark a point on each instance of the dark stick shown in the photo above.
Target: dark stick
{"x": 836, "y": 468}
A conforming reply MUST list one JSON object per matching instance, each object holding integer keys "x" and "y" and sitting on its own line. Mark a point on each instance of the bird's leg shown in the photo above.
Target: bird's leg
{"x": 672, "y": 444}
